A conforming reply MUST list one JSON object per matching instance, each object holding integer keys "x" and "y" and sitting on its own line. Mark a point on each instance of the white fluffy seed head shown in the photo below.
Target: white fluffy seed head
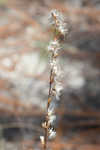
{"x": 63, "y": 30}
{"x": 50, "y": 111}
{"x": 42, "y": 140}
{"x": 51, "y": 119}
{"x": 58, "y": 87}
{"x": 53, "y": 62}
{"x": 52, "y": 134}
{"x": 58, "y": 20}
{"x": 58, "y": 90}
{"x": 54, "y": 46}
{"x": 55, "y": 15}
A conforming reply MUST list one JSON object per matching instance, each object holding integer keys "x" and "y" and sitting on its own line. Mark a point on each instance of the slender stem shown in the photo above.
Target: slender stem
{"x": 48, "y": 103}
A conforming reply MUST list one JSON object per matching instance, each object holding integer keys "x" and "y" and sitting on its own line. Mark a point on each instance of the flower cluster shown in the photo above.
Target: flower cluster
{"x": 54, "y": 47}
{"x": 55, "y": 86}
{"x": 58, "y": 20}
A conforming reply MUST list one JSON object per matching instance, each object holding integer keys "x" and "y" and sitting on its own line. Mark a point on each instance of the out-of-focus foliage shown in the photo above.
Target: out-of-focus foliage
{"x": 3, "y": 2}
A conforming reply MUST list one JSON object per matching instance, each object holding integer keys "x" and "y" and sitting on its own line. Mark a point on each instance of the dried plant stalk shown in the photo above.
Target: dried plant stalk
{"x": 55, "y": 86}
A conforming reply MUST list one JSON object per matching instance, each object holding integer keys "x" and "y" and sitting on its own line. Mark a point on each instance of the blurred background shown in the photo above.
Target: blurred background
{"x": 24, "y": 74}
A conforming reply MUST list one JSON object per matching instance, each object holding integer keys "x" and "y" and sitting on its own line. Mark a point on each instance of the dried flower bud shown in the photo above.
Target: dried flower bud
{"x": 55, "y": 17}
{"x": 44, "y": 125}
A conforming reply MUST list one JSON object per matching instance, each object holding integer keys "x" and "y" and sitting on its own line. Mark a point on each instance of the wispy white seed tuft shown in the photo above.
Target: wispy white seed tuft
{"x": 42, "y": 140}
{"x": 51, "y": 119}
{"x": 53, "y": 62}
{"x": 54, "y": 46}
{"x": 58, "y": 20}
{"x": 51, "y": 109}
{"x": 58, "y": 89}
{"x": 55, "y": 15}
{"x": 52, "y": 134}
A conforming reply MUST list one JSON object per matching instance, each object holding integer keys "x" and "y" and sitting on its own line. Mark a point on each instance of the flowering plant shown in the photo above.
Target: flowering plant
{"x": 56, "y": 20}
